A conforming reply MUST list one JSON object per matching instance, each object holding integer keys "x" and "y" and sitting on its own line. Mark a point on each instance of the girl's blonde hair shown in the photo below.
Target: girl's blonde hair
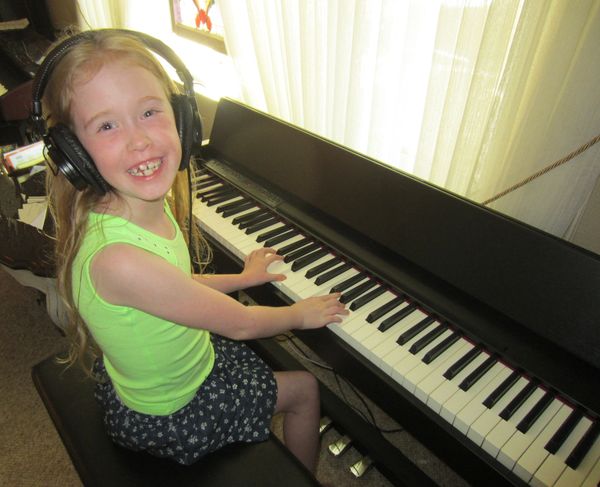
{"x": 68, "y": 206}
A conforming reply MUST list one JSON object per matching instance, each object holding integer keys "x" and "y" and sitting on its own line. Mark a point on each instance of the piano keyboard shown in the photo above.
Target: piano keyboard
{"x": 521, "y": 422}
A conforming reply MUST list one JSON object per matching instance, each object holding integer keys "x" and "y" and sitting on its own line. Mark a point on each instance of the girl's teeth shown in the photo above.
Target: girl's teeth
{"x": 145, "y": 169}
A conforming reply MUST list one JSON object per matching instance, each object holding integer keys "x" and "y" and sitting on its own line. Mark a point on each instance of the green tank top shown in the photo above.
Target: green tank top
{"x": 156, "y": 366}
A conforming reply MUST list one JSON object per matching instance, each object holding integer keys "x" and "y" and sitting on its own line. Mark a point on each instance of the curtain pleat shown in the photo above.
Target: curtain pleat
{"x": 472, "y": 96}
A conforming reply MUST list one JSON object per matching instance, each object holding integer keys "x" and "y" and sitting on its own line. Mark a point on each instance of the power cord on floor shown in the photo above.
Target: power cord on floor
{"x": 369, "y": 417}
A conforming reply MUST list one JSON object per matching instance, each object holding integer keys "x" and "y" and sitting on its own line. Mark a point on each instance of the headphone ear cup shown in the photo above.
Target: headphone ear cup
{"x": 72, "y": 159}
{"x": 183, "y": 108}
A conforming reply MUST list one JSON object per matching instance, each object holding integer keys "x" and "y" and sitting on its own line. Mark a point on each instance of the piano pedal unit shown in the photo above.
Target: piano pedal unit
{"x": 341, "y": 445}
{"x": 324, "y": 425}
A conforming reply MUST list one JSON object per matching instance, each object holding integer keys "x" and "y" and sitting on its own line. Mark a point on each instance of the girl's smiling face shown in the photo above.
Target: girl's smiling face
{"x": 124, "y": 119}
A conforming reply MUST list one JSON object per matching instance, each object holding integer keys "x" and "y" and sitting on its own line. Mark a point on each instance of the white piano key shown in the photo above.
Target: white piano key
{"x": 300, "y": 276}
{"x": 354, "y": 319}
{"x": 578, "y": 476}
{"x": 399, "y": 353}
{"x": 503, "y": 431}
{"x": 357, "y": 319}
{"x": 519, "y": 442}
{"x": 249, "y": 244}
{"x": 321, "y": 260}
{"x": 423, "y": 387}
{"x": 554, "y": 465}
{"x": 314, "y": 289}
{"x": 445, "y": 391}
{"x": 475, "y": 408}
{"x": 360, "y": 335}
{"x": 290, "y": 241}
{"x": 410, "y": 360}
{"x": 376, "y": 339}
{"x": 461, "y": 399}
{"x": 489, "y": 418}
{"x": 221, "y": 228}
{"x": 532, "y": 457}
{"x": 326, "y": 287}
{"x": 593, "y": 478}
{"x": 390, "y": 344}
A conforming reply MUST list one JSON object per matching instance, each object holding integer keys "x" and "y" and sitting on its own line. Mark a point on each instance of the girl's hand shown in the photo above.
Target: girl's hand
{"x": 255, "y": 267}
{"x": 319, "y": 311}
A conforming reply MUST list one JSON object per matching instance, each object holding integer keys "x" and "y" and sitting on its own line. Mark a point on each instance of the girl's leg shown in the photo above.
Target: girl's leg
{"x": 298, "y": 399}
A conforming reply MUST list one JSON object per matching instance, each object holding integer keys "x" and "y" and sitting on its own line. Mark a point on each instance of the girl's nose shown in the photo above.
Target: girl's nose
{"x": 138, "y": 138}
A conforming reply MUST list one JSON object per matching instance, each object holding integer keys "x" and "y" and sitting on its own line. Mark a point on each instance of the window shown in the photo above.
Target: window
{"x": 199, "y": 20}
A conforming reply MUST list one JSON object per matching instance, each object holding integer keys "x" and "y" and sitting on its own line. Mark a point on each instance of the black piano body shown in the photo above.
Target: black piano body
{"x": 527, "y": 297}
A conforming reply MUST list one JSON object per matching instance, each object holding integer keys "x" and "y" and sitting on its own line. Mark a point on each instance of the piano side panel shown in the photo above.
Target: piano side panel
{"x": 541, "y": 282}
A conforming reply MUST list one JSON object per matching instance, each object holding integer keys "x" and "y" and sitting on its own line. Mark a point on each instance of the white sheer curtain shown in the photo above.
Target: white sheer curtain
{"x": 470, "y": 95}
{"x": 98, "y": 14}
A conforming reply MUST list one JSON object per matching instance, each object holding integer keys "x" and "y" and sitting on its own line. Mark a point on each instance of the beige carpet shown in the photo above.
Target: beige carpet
{"x": 31, "y": 453}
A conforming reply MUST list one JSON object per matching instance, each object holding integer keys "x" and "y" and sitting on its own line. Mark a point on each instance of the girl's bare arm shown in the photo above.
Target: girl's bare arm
{"x": 129, "y": 276}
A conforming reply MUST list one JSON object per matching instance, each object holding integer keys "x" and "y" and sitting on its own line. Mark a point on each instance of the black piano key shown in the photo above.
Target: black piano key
{"x": 413, "y": 331}
{"x": 348, "y": 283}
{"x": 502, "y": 389}
{"x": 294, "y": 246}
{"x": 536, "y": 411}
{"x": 272, "y": 233}
{"x": 222, "y": 198}
{"x": 564, "y": 431}
{"x": 261, "y": 225}
{"x": 461, "y": 363}
{"x": 518, "y": 400}
{"x": 441, "y": 347}
{"x": 205, "y": 195}
{"x": 205, "y": 183}
{"x": 210, "y": 190}
{"x": 478, "y": 373}
{"x": 396, "y": 317}
{"x": 319, "y": 269}
{"x": 248, "y": 216}
{"x": 232, "y": 206}
{"x": 367, "y": 298}
{"x": 329, "y": 275}
{"x": 421, "y": 343}
{"x": 584, "y": 445}
{"x": 357, "y": 291}
{"x": 281, "y": 238}
{"x": 384, "y": 309}
{"x": 301, "y": 252}
{"x": 264, "y": 216}
{"x": 238, "y": 209}
{"x": 302, "y": 262}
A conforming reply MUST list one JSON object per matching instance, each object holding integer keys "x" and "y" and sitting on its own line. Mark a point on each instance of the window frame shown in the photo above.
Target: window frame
{"x": 209, "y": 39}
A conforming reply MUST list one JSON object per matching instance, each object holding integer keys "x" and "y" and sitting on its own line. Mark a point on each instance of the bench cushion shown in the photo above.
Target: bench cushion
{"x": 68, "y": 397}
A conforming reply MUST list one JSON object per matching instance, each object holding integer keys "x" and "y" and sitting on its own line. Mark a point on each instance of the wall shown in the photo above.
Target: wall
{"x": 586, "y": 232}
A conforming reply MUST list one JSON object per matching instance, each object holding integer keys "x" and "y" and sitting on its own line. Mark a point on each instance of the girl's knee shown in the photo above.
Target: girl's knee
{"x": 296, "y": 388}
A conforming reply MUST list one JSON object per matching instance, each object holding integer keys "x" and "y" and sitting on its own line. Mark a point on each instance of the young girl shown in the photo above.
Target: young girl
{"x": 175, "y": 380}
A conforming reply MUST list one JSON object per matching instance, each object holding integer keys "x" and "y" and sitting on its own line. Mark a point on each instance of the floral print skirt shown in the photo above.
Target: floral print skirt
{"x": 235, "y": 403}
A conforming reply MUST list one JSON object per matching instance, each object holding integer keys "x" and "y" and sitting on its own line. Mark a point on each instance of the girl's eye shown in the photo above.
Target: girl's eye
{"x": 149, "y": 113}
{"x": 105, "y": 126}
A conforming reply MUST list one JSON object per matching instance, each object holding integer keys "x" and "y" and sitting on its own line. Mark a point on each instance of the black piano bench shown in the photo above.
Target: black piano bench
{"x": 68, "y": 396}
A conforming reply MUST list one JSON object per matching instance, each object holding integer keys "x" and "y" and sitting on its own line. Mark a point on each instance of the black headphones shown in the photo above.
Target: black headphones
{"x": 65, "y": 150}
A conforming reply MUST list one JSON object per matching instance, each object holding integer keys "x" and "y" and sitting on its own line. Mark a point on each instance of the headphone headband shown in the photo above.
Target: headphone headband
{"x": 74, "y": 162}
